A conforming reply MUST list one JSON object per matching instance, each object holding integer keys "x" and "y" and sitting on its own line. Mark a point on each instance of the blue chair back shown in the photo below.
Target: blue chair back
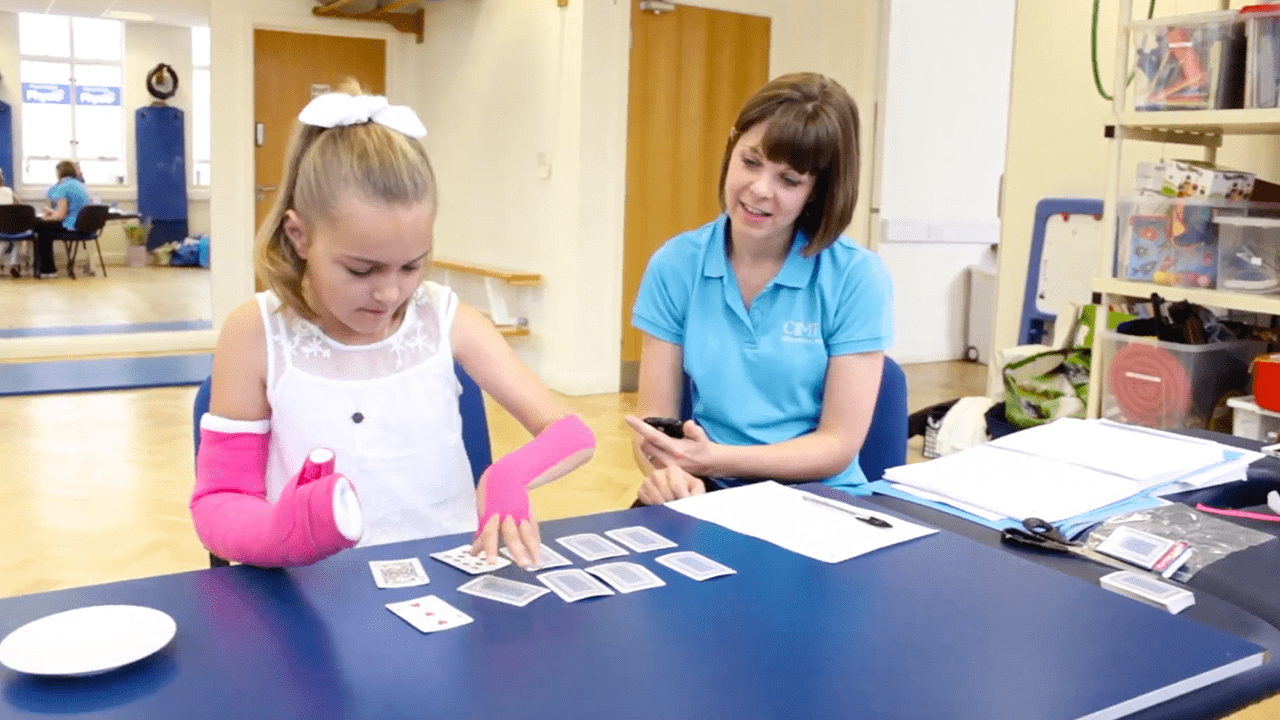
{"x": 475, "y": 424}
{"x": 886, "y": 443}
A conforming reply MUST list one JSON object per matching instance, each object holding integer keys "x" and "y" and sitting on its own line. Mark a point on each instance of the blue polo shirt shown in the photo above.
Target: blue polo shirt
{"x": 77, "y": 196}
{"x": 758, "y": 375}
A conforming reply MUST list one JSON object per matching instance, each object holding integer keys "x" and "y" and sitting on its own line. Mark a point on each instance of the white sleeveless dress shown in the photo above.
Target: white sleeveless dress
{"x": 388, "y": 410}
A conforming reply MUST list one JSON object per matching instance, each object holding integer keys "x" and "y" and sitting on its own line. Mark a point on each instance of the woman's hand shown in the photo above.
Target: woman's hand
{"x": 669, "y": 483}
{"x": 695, "y": 453}
{"x": 521, "y": 538}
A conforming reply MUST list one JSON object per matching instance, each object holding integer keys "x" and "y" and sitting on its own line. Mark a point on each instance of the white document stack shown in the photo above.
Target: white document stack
{"x": 1070, "y": 467}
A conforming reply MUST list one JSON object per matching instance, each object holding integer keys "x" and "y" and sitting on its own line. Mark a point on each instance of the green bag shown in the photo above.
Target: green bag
{"x": 1047, "y": 386}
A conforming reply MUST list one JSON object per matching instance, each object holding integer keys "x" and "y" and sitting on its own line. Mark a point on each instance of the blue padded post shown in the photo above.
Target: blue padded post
{"x": 6, "y": 144}
{"x": 162, "y": 172}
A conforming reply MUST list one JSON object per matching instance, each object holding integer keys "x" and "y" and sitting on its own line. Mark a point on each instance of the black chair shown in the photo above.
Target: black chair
{"x": 475, "y": 429}
{"x": 89, "y": 224}
{"x": 17, "y": 224}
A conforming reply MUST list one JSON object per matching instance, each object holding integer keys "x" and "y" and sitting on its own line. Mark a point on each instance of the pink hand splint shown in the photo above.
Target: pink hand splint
{"x": 235, "y": 520}
{"x": 507, "y": 481}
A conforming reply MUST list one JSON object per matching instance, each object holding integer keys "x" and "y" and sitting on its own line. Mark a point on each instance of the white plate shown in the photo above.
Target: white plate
{"x": 87, "y": 641}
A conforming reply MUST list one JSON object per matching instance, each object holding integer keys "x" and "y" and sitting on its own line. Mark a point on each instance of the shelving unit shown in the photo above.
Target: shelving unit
{"x": 1202, "y": 128}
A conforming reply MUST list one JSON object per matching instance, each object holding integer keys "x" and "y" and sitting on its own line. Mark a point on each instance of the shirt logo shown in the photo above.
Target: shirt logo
{"x": 801, "y": 332}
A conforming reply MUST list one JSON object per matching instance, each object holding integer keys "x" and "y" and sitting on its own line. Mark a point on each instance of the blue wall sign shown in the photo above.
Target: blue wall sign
{"x": 46, "y": 94}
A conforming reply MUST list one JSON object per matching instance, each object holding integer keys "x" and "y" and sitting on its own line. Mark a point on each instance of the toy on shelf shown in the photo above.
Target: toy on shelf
{"x": 1190, "y": 63}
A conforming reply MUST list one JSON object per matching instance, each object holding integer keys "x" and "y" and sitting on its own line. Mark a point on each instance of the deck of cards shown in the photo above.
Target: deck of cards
{"x": 591, "y": 547}
{"x": 503, "y": 590}
{"x": 461, "y": 558}
{"x": 693, "y": 565}
{"x": 398, "y": 573}
{"x": 429, "y": 614}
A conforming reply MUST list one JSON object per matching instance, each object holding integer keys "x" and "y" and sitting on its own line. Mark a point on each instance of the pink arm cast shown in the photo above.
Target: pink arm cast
{"x": 235, "y": 520}
{"x": 508, "y": 480}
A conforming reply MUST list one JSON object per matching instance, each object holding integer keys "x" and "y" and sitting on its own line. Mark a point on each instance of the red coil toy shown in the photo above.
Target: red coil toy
{"x": 1150, "y": 385}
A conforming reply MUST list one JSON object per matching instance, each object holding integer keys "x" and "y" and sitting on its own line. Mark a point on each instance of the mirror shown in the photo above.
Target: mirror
{"x": 78, "y": 78}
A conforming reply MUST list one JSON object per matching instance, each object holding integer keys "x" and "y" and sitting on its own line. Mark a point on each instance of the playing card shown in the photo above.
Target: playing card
{"x": 639, "y": 538}
{"x": 573, "y": 584}
{"x": 590, "y": 546}
{"x": 510, "y": 592}
{"x": 461, "y": 558}
{"x": 550, "y": 558}
{"x": 429, "y": 614}
{"x": 398, "y": 573}
{"x": 694, "y": 565}
{"x": 626, "y": 577}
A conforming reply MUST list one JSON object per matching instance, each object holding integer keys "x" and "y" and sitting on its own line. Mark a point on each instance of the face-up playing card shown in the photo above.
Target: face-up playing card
{"x": 693, "y": 565}
{"x": 550, "y": 558}
{"x": 429, "y": 614}
{"x": 590, "y": 546}
{"x": 573, "y": 584}
{"x": 398, "y": 573}
{"x": 639, "y": 538}
{"x": 626, "y": 577}
{"x": 461, "y": 558}
{"x": 503, "y": 590}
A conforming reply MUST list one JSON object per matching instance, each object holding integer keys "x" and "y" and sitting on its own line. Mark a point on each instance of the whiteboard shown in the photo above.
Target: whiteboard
{"x": 1068, "y": 261}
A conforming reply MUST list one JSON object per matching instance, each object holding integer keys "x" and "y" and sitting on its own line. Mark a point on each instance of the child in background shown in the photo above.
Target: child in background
{"x": 349, "y": 351}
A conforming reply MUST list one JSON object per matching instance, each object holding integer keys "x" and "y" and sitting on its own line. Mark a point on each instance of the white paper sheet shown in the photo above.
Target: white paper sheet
{"x": 1015, "y": 485}
{"x": 1147, "y": 456}
{"x": 780, "y": 515}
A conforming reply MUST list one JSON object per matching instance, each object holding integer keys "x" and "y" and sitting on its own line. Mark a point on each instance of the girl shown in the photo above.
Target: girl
{"x": 350, "y": 351}
{"x": 778, "y": 321}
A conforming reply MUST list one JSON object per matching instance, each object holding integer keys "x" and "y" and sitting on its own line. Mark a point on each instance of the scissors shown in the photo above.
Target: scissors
{"x": 1042, "y": 534}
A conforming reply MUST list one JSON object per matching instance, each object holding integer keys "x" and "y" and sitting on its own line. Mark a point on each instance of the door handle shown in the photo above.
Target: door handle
{"x": 261, "y": 191}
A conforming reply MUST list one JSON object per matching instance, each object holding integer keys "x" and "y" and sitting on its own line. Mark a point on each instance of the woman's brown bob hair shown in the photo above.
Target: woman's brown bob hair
{"x": 323, "y": 165}
{"x": 813, "y": 127}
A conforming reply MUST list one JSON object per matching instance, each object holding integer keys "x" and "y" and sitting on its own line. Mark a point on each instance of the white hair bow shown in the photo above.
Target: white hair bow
{"x": 334, "y": 109}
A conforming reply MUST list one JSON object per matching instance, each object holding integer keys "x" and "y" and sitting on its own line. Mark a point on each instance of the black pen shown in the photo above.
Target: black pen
{"x": 848, "y": 509}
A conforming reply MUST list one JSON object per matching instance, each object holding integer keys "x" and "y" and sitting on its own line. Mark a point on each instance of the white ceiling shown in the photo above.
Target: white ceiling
{"x": 167, "y": 12}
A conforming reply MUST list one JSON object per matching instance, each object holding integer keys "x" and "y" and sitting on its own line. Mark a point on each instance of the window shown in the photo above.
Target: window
{"x": 201, "y": 107}
{"x": 71, "y": 81}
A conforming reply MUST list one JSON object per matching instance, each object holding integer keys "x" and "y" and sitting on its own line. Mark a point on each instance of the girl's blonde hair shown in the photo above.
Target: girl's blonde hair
{"x": 323, "y": 165}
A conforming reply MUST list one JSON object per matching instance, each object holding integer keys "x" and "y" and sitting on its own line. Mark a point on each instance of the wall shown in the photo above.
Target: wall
{"x": 939, "y": 190}
{"x": 502, "y": 81}
{"x": 1056, "y": 117}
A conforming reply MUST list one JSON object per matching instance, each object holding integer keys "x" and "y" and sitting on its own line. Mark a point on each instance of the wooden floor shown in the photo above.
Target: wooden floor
{"x": 96, "y": 484}
{"x": 126, "y": 295}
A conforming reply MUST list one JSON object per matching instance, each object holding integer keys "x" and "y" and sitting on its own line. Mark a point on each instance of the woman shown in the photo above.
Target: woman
{"x": 66, "y": 197}
{"x": 779, "y": 322}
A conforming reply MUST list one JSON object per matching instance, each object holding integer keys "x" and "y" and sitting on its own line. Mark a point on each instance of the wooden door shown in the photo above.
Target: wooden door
{"x": 691, "y": 70}
{"x": 287, "y": 68}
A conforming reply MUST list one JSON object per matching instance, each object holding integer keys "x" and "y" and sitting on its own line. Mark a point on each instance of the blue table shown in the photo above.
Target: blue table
{"x": 941, "y": 627}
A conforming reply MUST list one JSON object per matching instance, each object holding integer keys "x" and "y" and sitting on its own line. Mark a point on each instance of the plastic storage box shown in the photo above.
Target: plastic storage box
{"x": 1250, "y": 421}
{"x": 1172, "y": 385}
{"x": 1262, "y": 61}
{"x": 1170, "y": 241}
{"x": 1189, "y": 62}
{"x": 1249, "y": 254}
